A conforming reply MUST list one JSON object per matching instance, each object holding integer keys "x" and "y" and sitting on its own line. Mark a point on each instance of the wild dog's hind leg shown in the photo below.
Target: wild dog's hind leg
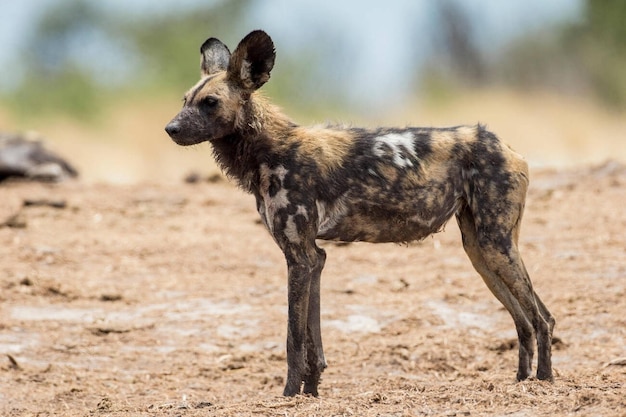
{"x": 497, "y": 286}
{"x": 490, "y": 227}
{"x": 544, "y": 344}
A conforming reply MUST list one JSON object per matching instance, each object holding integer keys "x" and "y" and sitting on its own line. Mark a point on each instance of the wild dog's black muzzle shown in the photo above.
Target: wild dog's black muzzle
{"x": 173, "y": 129}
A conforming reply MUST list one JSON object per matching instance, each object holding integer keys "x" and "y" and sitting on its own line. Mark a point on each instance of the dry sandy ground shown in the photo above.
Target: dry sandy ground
{"x": 170, "y": 300}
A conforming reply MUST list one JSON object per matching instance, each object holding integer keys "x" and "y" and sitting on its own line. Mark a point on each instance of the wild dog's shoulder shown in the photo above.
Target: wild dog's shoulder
{"x": 326, "y": 146}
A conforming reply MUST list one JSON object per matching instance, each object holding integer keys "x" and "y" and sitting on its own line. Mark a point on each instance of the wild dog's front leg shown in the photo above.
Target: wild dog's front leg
{"x": 315, "y": 352}
{"x": 298, "y": 296}
{"x": 305, "y": 358}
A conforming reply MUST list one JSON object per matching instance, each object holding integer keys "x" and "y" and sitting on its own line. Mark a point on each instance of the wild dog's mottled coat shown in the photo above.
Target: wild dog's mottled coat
{"x": 351, "y": 184}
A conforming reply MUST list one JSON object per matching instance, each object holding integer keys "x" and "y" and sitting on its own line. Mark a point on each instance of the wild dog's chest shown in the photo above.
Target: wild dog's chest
{"x": 282, "y": 204}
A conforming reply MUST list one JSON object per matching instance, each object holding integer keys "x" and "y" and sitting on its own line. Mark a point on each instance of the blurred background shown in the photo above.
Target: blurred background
{"x": 98, "y": 80}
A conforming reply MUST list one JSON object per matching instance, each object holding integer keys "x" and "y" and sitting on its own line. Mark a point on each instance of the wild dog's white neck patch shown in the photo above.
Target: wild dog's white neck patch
{"x": 399, "y": 143}
{"x": 271, "y": 204}
{"x": 291, "y": 229}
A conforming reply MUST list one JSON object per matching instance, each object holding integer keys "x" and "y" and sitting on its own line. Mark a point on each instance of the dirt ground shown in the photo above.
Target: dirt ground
{"x": 170, "y": 300}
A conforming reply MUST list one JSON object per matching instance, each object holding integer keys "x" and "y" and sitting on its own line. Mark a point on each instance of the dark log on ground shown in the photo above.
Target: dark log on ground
{"x": 23, "y": 156}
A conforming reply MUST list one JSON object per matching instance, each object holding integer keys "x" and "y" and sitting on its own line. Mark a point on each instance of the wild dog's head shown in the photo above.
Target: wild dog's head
{"x": 215, "y": 107}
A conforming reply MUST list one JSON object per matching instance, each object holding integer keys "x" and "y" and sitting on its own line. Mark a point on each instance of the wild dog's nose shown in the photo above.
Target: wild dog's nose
{"x": 172, "y": 129}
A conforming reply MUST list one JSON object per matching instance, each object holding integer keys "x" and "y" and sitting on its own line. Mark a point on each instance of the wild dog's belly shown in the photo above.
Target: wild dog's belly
{"x": 362, "y": 228}
{"x": 384, "y": 221}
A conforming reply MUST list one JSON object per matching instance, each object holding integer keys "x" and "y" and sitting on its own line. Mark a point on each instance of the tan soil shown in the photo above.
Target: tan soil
{"x": 170, "y": 300}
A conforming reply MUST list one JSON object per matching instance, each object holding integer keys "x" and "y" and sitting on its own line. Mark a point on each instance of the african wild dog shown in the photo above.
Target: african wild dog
{"x": 351, "y": 184}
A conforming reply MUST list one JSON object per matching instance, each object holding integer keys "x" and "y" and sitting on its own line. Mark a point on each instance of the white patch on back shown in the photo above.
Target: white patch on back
{"x": 400, "y": 144}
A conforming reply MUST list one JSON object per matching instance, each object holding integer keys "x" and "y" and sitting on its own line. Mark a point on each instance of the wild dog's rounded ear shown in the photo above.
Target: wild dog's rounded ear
{"x": 252, "y": 61}
{"x": 214, "y": 56}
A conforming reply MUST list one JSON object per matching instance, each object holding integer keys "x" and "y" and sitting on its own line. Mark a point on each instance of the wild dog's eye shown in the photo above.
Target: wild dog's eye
{"x": 209, "y": 102}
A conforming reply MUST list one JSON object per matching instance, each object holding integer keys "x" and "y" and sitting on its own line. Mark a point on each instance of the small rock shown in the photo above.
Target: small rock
{"x": 616, "y": 362}
{"x": 44, "y": 202}
{"x": 110, "y": 297}
{"x": 13, "y": 363}
{"x": 214, "y": 178}
{"x": 105, "y": 404}
{"x": 16, "y": 221}
{"x": 193, "y": 178}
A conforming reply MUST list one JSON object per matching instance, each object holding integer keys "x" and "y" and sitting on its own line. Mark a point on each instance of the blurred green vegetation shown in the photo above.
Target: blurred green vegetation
{"x": 62, "y": 74}
{"x": 158, "y": 56}
{"x": 65, "y": 72}
{"x": 587, "y": 56}
{"x": 601, "y": 45}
